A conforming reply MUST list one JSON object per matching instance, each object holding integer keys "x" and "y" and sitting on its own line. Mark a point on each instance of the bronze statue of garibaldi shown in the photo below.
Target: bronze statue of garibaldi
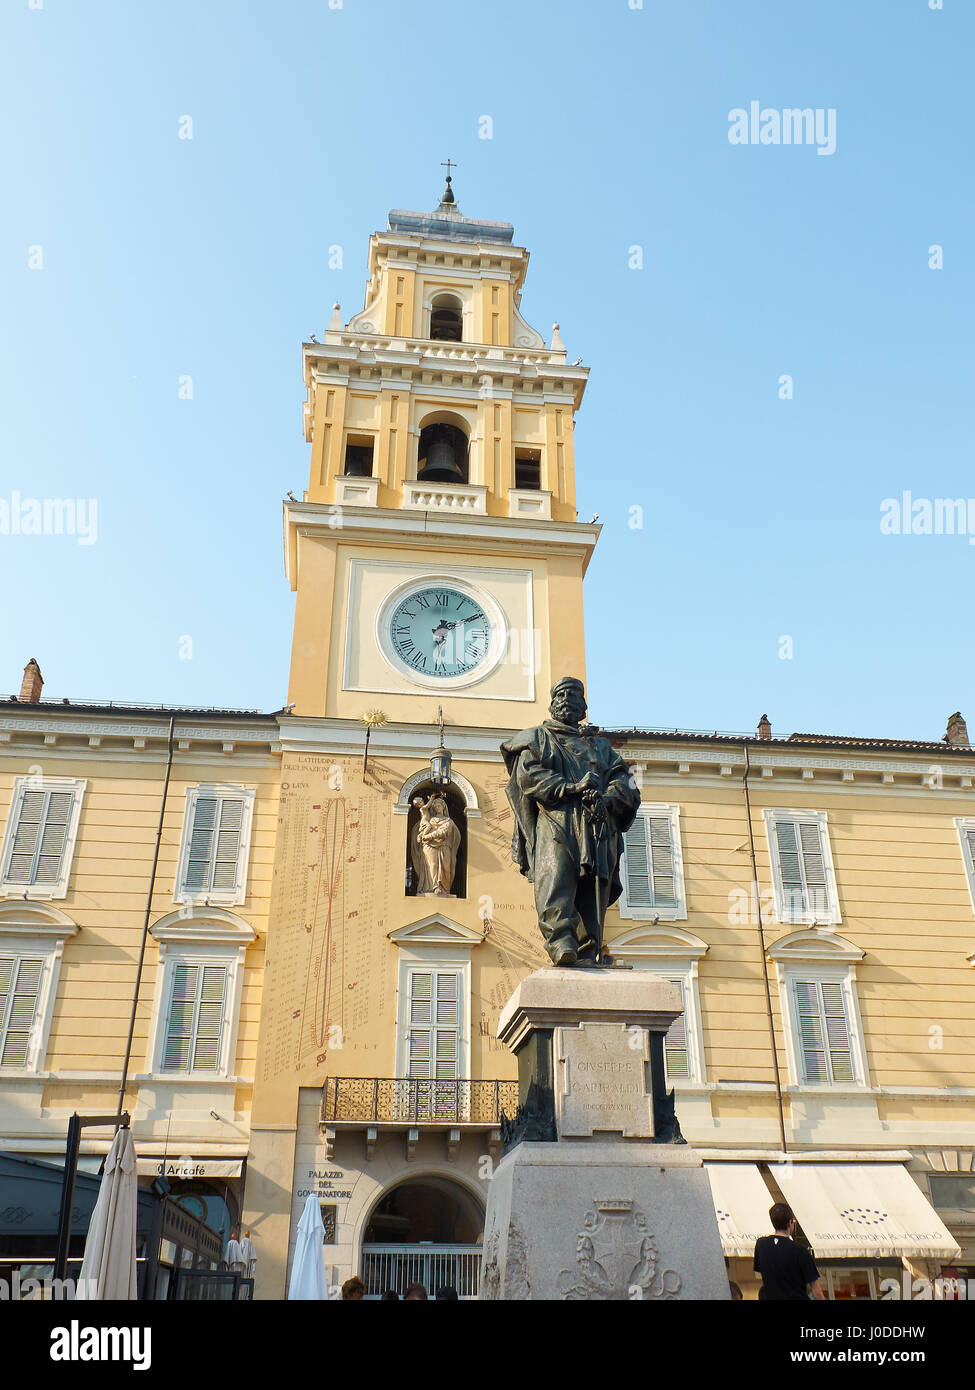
{"x": 573, "y": 797}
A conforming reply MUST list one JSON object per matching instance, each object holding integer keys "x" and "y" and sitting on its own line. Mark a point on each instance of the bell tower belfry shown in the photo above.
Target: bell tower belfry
{"x": 436, "y": 550}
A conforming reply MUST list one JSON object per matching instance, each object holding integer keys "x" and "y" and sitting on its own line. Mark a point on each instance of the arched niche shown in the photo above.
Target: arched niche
{"x": 443, "y": 453}
{"x": 457, "y": 810}
{"x": 447, "y": 319}
{"x": 457, "y": 780}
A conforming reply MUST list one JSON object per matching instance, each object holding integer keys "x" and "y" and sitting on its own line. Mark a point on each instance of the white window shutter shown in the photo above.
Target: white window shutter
{"x": 648, "y": 862}
{"x": 40, "y": 836}
{"x": 802, "y": 869}
{"x": 447, "y": 1025}
{"x": 677, "y": 1062}
{"x": 209, "y": 1018}
{"x": 178, "y": 1046}
{"x": 824, "y": 1031}
{"x": 20, "y": 980}
{"x": 194, "y": 1026}
{"x": 814, "y": 867}
{"x": 227, "y": 847}
{"x": 837, "y": 1026}
{"x": 420, "y": 1023}
{"x": 810, "y": 1029}
{"x": 26, "y": 836}
{"x": 636, "y": 864}
{"x": 53, "y": 837}
{"x": 213, "y": 852}
{"x": 790, "y": 868}
{"x": 433, "y": 1034}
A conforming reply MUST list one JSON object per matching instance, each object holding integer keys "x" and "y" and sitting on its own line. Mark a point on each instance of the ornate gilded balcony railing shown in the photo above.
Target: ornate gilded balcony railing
{"x": 410, "y": 1100}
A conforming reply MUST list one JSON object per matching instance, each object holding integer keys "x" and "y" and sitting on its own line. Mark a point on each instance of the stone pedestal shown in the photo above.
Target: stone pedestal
{"x": 597, "y": 1196}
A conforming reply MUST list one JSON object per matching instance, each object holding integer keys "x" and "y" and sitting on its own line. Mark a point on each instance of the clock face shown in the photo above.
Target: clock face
{"x": 439, "y": 632}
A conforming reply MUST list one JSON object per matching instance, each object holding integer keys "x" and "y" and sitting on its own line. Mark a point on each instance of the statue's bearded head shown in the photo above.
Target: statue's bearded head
{"x": 568, "y": 701}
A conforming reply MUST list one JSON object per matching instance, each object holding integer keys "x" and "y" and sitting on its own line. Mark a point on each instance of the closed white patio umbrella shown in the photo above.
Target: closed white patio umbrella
{"x": 108, "y": 1269}
{"x": 308, "y": 1279}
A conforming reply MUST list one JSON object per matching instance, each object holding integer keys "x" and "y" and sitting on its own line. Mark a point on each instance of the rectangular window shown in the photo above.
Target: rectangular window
{"x": 20, "y": 982}
{"x": 434, "y": 1029}
{"x": 802, "y": 869}
{"x": 652, "y": 872}
{"x": 195, "y": 1021}
{"x": 823, "y": 1031}
{"x": 216, "y": 834}
{"x": 358, "y": 456}
{"x": 953, "y": 1191}
{"x": 965, "y": 826}
{"x": 41, "y": 830}
{"x": 528, "y": 469}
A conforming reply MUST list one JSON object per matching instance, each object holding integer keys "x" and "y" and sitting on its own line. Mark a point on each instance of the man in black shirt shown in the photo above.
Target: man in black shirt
{"x": 788, "y": 1270}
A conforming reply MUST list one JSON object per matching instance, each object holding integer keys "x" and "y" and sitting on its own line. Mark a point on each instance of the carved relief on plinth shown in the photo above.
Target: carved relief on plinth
{"x": 616, "y": 1258}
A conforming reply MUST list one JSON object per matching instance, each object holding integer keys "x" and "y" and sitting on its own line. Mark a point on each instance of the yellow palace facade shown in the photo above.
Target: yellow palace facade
{"x": 307, "y": 1018}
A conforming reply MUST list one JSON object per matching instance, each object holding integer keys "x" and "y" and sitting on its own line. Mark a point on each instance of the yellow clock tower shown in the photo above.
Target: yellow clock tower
{"x": 441, "y": 474}
{"x": 438, "y": 566}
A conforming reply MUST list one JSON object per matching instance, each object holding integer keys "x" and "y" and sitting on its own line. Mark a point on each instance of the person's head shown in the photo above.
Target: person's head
{"x": 353, "y": 1289}
{"x": 447, "y": 1294}
{"x": 416, "y": 1293}
{"x": 782, "y": 1219}
{"x": 568, "y": 701}
{"x": 389, "y": 1296}
{"x": 736, "y": 1294}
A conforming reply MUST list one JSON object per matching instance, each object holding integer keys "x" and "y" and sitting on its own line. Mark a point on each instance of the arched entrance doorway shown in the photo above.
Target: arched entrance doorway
{"x": 426, "y": 1230}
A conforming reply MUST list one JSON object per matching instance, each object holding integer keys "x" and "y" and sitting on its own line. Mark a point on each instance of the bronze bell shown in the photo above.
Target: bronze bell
{"x": 441, "y": 464}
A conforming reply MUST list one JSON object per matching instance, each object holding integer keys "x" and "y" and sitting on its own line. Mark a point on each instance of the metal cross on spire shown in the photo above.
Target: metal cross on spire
{"x": 448, "y": 196}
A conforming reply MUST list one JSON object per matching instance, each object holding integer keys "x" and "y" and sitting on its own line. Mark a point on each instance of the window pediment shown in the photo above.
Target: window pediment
{"x": 814, "y": 944}
{"x": 664, "y": 940}
{"x": 35, "y": 919}
{"x": 203, "y": 926}
{"x": 436, "y": 930}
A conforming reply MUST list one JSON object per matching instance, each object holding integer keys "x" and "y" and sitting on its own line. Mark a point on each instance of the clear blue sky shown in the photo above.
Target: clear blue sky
{"x": 208, "y": 257}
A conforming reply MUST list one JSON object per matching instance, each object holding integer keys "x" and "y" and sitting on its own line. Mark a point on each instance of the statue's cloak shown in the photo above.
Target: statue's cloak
{"x": 541, "y": 765}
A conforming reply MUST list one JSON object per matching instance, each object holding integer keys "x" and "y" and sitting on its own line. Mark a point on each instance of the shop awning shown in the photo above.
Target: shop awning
{"x": 741, "y": 1204}
{"x": 855, "y": 1211}
{"x": 184, "y": 1167}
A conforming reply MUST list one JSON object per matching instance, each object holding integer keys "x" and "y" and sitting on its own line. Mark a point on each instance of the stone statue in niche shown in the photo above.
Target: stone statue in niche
{"x": 434, "y": 847}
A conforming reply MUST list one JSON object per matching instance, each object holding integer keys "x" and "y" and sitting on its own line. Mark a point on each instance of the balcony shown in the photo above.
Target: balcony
{"x": 412, "y": 1101}
{"x": 445, "y": 497}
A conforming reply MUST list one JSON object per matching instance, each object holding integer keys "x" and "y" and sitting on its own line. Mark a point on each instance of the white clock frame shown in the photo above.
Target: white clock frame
{"x": 497, "y": 642}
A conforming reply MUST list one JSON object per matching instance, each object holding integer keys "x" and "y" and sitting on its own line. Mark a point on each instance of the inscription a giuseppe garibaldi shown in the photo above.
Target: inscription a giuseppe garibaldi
{"x": 573, "y": 797}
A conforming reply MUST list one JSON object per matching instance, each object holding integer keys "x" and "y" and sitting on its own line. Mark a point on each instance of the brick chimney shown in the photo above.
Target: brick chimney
{"x": 33, "y": 684}
{"x": 764, "y": 727}
{"x": 957, "y": 733}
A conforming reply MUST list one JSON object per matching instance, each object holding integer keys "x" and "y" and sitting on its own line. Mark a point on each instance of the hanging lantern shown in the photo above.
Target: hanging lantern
{"x": 440, "y": 759}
